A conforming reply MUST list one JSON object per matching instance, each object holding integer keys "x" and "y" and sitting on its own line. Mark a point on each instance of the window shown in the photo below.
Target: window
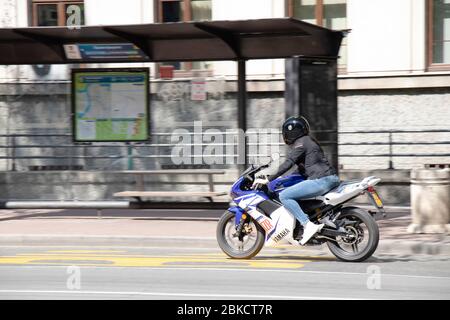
{"x": 330, "y": 14}
{"x": 183, "y": 11}
{"x": 57, "y": 12}
{"x": 172, "y": 11}
{"x": 439, "y": 34}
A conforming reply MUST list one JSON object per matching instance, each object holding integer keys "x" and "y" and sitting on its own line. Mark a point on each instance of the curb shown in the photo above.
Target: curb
{"x": 384, "y": 247}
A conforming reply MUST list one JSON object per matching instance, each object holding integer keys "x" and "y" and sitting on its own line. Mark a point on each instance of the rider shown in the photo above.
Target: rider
{"x": 307, "y": 154}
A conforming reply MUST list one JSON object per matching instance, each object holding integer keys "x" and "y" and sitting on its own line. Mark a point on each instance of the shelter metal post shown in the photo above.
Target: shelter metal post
{"x": 242, "y": 108}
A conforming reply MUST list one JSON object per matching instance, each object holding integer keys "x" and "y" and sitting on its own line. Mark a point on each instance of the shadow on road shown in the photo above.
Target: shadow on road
{"x": 294, "y": 257}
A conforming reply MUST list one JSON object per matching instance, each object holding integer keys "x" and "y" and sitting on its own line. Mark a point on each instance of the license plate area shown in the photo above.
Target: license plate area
{"x": 376, "y": 198}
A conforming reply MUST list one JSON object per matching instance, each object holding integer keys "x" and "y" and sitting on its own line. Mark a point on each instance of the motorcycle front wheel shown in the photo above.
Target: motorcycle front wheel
{"x": 362, "y": 236}
{"x": 252, "y": 240}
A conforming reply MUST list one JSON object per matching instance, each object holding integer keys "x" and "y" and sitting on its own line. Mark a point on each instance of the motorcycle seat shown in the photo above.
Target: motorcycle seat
{"x": 341, "y": 186}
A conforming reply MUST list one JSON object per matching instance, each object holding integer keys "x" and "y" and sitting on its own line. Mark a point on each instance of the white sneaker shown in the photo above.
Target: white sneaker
{"x": 309, "y": 230}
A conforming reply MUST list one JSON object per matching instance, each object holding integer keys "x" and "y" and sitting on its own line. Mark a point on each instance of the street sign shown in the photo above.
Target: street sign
{"x": 102, "y": 51}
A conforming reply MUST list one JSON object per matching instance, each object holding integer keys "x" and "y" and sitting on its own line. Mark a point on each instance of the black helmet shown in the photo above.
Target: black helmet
{"x": 294, "y": 128}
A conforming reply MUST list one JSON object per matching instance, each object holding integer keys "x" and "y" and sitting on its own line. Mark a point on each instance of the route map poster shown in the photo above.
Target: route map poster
{"x": 110, "y": 104}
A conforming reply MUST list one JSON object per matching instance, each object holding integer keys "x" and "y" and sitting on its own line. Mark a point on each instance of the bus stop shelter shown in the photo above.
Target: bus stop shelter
{"x": 238, "y": 40}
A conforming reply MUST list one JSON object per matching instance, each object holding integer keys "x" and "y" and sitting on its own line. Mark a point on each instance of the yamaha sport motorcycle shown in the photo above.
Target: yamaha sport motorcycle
{"x": 258, "y": 218}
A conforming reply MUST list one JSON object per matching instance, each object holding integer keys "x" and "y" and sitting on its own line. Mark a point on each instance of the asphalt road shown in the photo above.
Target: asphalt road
{"x": 59, "y": 272}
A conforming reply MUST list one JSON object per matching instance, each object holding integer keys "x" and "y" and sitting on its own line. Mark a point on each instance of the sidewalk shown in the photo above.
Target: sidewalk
{"x": 65, "y": 227}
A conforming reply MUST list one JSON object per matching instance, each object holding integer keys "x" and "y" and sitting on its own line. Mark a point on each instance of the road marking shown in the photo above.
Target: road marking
{"x": 94, "y": 258}
{"x": 85, "y": 251}
{"x": 173, "y": 294}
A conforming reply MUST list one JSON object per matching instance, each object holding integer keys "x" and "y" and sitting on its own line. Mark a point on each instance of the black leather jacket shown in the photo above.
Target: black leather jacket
{"x": 309, "y": 157}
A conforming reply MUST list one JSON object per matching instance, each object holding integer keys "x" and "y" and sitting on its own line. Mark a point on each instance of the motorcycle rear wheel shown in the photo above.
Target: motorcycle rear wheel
{"x": 373, "y": 235}
{"x": 232, "y": 246}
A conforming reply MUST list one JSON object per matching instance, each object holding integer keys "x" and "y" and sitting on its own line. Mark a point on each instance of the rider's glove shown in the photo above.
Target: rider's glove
{"x": 259, "y": 182}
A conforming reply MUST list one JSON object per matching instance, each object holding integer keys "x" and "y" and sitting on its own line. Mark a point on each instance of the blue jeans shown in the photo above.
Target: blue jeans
{"x": 303, "y": 190}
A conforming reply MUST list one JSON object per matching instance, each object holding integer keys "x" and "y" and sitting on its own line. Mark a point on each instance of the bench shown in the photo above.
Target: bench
{"x": 140, "y": 192}
{"x": 182, "y": 194}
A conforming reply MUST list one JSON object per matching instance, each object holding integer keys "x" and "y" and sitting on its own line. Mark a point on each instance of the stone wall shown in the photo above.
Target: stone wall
{"x": 400, "y": 109}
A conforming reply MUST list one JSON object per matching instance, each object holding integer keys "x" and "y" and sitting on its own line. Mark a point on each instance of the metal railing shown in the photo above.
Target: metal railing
{"x": 389, "y": 140}
{"x": 67, "y": 153}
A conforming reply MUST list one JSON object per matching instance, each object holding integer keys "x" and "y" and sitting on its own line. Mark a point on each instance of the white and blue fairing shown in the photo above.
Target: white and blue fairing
{"x": 244, "y": 196}
{"x": 280, "y": 225}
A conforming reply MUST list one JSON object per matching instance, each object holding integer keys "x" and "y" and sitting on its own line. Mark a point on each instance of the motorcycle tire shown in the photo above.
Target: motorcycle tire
{"x": 225, "y": 246}
{"x": 373, "y": 231}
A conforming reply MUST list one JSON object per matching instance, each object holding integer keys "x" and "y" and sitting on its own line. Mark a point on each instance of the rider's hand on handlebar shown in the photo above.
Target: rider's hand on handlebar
{"x": 259, "y": 182}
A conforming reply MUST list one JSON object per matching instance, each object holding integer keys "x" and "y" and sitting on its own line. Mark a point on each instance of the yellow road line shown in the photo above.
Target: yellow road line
{"x": 149, "y": 261}
{"x": 85, "y": 251}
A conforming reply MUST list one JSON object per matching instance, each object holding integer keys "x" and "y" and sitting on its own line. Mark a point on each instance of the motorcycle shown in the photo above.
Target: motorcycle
{"x": 258, "y": 218}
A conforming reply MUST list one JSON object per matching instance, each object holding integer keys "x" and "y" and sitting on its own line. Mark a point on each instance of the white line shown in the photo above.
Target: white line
{"x": 233, "y": 269}
{"x": 172, "y": 294}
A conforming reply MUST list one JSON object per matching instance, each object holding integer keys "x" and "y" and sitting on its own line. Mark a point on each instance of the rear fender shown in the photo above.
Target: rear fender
{"x": 349, "y": 208}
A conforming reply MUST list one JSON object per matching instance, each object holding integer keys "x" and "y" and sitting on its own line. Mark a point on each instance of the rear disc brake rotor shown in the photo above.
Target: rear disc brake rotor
{"x": 352, "y": 237}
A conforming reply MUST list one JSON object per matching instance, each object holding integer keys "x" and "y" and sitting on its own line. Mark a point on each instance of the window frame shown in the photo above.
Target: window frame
{"x": 430, "y": 65}
{"x": 60, "y": 5}
{"x": 318, "y": 14}
{"x": 318, "y": 11}
{"x": 186, "y": 10}
{"x": 186, "y": 69}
